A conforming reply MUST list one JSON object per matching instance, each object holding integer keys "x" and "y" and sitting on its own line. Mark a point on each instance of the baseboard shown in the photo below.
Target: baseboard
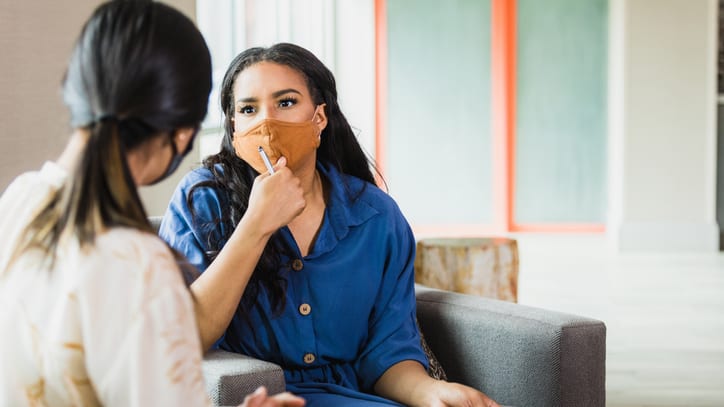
{"x": 668, "y": 236}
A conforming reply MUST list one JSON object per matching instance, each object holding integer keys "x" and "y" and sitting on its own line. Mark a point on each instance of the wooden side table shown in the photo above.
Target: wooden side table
{"x": 482, "y": 266}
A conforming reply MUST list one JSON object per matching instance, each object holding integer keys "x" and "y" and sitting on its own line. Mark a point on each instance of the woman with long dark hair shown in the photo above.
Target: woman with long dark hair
{"x": 330, "y": 295}
{"x": 94, "y": 309}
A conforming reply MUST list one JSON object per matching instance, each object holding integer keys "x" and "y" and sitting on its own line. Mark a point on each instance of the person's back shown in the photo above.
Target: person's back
{"x": 107, "y": 325}
{"x": 94, "y": 307}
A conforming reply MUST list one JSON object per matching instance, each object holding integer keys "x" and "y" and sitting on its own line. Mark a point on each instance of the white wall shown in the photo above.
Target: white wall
{"x": 662, "y": 163}
{"x": 355, "y": 67}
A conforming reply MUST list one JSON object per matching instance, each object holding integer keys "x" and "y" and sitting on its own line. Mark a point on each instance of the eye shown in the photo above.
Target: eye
{"x": 247, "y": 109}
{"x": 287, "y": 102}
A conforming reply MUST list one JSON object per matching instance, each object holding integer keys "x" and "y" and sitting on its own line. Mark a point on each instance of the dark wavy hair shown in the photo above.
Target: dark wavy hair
{"x": 233, "y": 177}
{"x": 139, "y": 69}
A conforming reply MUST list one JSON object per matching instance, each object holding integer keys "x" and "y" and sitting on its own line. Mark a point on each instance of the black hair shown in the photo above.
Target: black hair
{"x": 233, "y": 177}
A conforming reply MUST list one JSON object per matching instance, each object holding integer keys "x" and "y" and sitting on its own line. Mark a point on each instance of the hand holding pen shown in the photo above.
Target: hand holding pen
{"x": 274, "y": 200}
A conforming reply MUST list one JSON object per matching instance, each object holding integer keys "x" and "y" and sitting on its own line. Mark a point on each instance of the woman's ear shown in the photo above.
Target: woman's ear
{"x": 183, "y": 136}
{"x": 320, "y": 117}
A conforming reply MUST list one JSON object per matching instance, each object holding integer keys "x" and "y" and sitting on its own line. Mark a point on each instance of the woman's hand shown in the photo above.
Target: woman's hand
{"x": 409, "y": 383}
{"x": 446, "y": 394}
{"x": 260, "y": 398}
{"x": 275, "y": 199}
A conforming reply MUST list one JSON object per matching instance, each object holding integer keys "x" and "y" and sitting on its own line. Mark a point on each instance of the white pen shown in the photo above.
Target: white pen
{"x": 268, "y": 163}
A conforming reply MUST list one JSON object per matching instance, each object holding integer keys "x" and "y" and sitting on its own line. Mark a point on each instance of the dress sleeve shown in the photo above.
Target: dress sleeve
{"x": 194, "y": 233}
{"x": 393, "y": 335}
{"x": 140, "y": 337}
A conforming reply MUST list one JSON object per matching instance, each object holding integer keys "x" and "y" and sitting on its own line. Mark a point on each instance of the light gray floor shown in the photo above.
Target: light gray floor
{"x": 664, "y": 314}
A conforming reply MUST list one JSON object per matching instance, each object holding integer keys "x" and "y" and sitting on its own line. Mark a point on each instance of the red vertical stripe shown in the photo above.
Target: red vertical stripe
{"x": 503, "y": 30}
{"x": 380, "y": 85}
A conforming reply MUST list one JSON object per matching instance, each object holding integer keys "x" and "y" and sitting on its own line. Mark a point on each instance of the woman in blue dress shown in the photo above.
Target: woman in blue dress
{"x": 326, "y": 286}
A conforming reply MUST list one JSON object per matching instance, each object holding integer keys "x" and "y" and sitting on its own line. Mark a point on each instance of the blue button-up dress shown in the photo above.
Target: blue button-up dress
{"x": 350, "y": 303}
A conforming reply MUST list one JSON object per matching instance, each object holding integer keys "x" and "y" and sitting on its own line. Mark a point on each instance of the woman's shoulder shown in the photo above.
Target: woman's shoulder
{"x": 363, "y": 197}
{"x": 198, "y": 175}
{"x": 50, "y": 177}
{"x": 23, "y": 199}
{"x": 370, "y": 194}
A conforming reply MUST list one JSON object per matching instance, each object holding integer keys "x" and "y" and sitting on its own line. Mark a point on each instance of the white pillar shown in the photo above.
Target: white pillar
{"x": 662, "y": 128}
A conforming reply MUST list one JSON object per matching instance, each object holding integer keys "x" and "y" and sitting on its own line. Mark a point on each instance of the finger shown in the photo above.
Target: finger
{"x": 281, "y": 163}
{"x": 488, "y": 402}
{"x": 289, "y": 400}
{"x": 255, "y": 399}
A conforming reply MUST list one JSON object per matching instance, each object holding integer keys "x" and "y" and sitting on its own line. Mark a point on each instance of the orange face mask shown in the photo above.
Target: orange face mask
{"x": 294, "y": 141}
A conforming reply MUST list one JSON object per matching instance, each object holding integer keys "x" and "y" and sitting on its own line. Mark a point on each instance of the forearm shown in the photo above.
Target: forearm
{"x": 219, "y": 289}
{"x": 405, "y": 382}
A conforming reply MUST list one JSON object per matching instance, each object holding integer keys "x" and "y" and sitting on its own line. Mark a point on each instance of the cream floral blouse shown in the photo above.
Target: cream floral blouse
{"x": 113, "y": 325}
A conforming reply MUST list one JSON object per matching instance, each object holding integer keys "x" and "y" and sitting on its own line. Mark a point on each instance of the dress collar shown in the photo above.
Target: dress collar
{"x": 346, "y": 208}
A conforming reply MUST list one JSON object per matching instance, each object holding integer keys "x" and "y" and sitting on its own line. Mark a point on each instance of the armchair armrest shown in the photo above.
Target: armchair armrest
{"x": 518, "y": 355}
{"x": 231, "y": 376}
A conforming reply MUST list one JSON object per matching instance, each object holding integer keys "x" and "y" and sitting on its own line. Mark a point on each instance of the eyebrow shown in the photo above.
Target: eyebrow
{"x": 274, "y": 95}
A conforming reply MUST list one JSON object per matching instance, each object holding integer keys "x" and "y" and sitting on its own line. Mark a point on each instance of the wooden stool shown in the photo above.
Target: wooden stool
{"x": 483, "y": 266}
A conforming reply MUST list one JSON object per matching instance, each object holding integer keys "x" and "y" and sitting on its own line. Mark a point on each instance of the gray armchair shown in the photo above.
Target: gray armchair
{"x": 519, "y": 355}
